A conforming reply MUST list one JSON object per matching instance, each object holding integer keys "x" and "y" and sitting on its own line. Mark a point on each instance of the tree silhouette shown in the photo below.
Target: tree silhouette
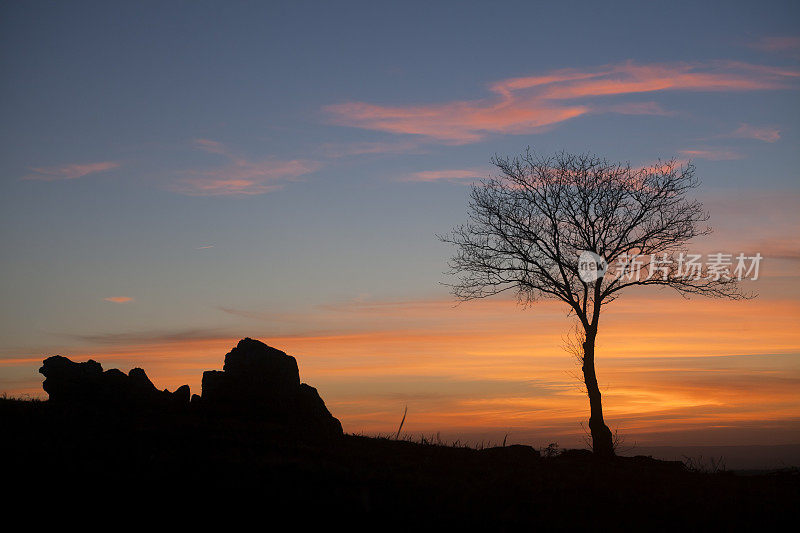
{"x": 580, "y": 229}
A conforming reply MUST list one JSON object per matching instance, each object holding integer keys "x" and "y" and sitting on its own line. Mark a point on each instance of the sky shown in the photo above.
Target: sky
{"x": 178, "y": 175}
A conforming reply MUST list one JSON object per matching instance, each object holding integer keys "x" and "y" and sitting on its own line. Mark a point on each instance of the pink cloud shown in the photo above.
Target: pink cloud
{"x": 69, "y": 172}
{"x": 762, "y": 133}
{"x": 241, "y": 176}
{"x": 208, "y": 145}
{"x": 455, "y": 175}
{"x": 118, "y": 299}
{"x": 454, "y": 123}
{"x": 534, "y": 103}
{"x": 713, "y": 154}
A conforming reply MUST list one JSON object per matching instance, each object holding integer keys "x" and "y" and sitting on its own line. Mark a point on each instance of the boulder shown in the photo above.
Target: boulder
{"x": 258, "y": 381}
{"x": 254, "y": 360}
{"x": 67, "y": 382}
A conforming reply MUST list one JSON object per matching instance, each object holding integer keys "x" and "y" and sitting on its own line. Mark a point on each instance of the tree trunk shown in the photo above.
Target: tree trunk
{"x": 602, "y": 441}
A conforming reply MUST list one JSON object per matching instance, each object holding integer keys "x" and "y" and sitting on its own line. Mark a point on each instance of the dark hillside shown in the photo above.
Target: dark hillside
{"x": 147, "y": 449}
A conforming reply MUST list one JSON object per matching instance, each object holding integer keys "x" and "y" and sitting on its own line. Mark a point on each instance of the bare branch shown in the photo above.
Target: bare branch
{"x": 528, "y": 224}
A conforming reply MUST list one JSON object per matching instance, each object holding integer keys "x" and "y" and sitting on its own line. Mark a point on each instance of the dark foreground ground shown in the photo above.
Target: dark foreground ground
{"x": 71, "y": 467}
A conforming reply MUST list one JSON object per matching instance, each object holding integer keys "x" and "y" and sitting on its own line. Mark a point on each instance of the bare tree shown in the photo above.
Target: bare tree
{"x": 529, "y": 225}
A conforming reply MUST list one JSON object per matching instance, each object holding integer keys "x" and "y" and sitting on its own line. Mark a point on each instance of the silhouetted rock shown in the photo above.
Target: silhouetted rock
{"x": 181, "y": 395}
{"x": 252, "y": 360}
{"x": 263, "y": 382}
{"x": 257, "y": 382}
{"x": 67, "y": 382}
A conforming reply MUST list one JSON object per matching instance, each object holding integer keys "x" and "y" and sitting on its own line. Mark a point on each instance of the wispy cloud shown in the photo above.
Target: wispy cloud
{"x": 367, "y": 148}
{"x": 785, "y": 43}
{"x": 454, "y": 175}
{"x": 146, "y": 337}
{"x": 762, "y": 133}
{"x": 633, "y": 108}
{"x": 69, "y": 172}
{"x": 534, "y": 103}
{"x": 712, "y": 154}
{"x": 758, "y": 220}
{"x": 119, "y": 299}
{"x": 241, "y": 176}
{"x": 487, "y": 367}
{"x": 210, "y": 146}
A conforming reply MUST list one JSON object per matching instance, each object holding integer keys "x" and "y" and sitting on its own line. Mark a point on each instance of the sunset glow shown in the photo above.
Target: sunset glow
{"x": 485, "y": 369}
{"x": 171, "y": 188}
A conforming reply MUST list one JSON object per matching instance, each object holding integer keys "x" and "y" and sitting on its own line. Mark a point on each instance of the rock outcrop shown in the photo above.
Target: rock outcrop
{"x": 67, "y": 382}
{"x": 258, "y": 381}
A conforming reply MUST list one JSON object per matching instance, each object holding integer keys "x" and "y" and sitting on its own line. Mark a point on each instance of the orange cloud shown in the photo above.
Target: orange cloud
{"x": 119, "y": 299}
{"x": 456, "y": 123}
{"x": 489, "y": 367}
{"x": 241, "y": 177}
{"x": 534, "y": 103}
{"x": 69, "y": 172}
